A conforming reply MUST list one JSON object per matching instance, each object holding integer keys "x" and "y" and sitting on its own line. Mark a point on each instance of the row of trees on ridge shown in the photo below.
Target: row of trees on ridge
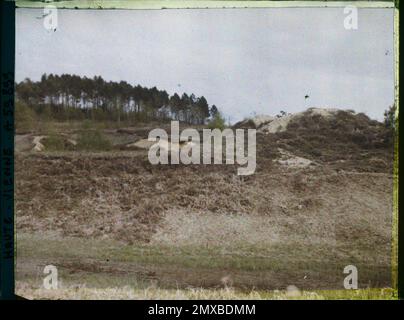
{"x": 71, "y": 97}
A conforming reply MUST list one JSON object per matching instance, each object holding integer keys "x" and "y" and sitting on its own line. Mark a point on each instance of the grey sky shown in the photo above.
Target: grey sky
{"x": 243, "y": 60}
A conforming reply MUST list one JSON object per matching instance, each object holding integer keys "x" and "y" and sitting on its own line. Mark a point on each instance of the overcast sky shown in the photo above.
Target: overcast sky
{"x": 245, "y": 61}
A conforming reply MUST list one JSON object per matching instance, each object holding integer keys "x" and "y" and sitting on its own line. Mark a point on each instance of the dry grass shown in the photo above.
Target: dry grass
{"x": 152, "y": 293}
{"x": 346, "y": 141}
{"x": 125, "y": 198}
{"x": 110, "y": 220}
{"x": 183, "y": 228}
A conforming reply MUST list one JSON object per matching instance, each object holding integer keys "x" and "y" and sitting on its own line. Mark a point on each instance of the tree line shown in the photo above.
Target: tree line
{"x": 71, "y": 97}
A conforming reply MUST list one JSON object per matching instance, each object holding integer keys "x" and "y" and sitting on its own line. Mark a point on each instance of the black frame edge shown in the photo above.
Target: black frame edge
{"x": 7, "y": 49}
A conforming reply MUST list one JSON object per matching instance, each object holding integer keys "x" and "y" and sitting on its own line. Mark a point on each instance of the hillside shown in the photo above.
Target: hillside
{"x": 338, "y": 139}
{"x": 320, "y": 199}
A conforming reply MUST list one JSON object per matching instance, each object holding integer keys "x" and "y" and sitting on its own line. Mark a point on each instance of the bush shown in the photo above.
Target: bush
{"x": 390, "y": 117}
{"x": 25, "y": 118}
{"x": 92, "y": 140}
{"x": 86, "y": 124}
{"x": 53, "y": 142}
{"x": 217, "y": 122}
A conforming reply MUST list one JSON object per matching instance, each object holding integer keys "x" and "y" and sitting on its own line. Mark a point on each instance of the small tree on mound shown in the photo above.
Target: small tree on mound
{"x": 25, "y": 117}
{"x": 281, "y": 114}
{"x": 217, "y": 122}
{"x": 93, "y": 140}
{"x": 390, "y": 117}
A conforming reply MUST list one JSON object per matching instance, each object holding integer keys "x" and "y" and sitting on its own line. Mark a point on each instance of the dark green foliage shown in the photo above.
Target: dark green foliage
{"x": 390, "y": 117}
{"x": 92, "y": 140}
{"x": 25, "y": 117}
{"x": 213, "y": 111}
{"x": 217, "y": 122}
{"x": 54, "y": 142}
{"x": 70, "y": 97}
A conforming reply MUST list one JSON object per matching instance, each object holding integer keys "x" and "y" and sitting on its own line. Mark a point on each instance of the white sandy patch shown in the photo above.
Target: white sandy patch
{"x": 278, "y": 124}
{"x": 261, "y": 119}
{"x": 290, "y": 160}
{"x": 324, "y": 112}
{"x": 142, "y": 144}
{"x": 38, "y": 146}
{"x": 281, "y": 124}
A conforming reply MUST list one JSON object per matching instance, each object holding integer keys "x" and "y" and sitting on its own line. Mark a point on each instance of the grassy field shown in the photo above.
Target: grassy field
{"x": 96, "y": 269}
